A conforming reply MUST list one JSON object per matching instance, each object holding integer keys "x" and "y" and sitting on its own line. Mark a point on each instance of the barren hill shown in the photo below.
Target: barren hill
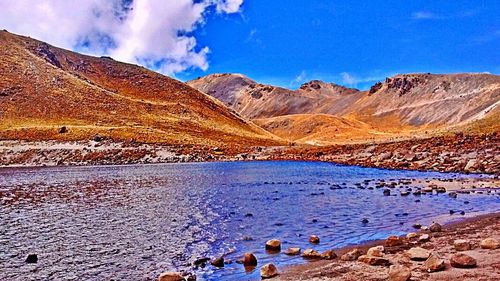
{"x": 51, "y": 93}
{"x": 401, "y": 106}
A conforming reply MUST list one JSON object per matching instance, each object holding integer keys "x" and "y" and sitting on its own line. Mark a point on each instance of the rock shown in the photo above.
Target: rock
{"x": 471, "y": 164}
{"x": 434, "y": 263}
{"x": 171, "y": 276}
{"x": 435, "y": 227}
{"x": 351, "y": 255}
{"x": 31, "y": 258}
{"x": 273, "y": 245}
{"x": 63, "y": 130}
{"x": 314, "y": 239}
{"x": 411, "y": 235}
{"x": 292, "y": 251}
{"x": 311, "y": 254}
{"x": 385, "y": 156}
{"x": 249, "y": 259}
{"x": 393, "y": 241}
{"x": 377, "y": 251}
{"x": 418, "y": 254}
{"x": 201, "y": 262}
{"x": 461, "y": 245}
{"x": 399, "y": 273}
{"x": 424, "y": 238}
{"x": 328, "y": 255}
{"x": 490, "y": 243}
{"x": 365, "y": 221}
{"x": 417, "y": 226}
{"x": 268, "y": 271}
{"x": 374, "y": 260}
{"x": 453, "y": 194}
{"x": 387, "y": 192}
{"x": 404, "y": 193}
{"x": 218, "y": 262}
{"x": 461, "y": 260}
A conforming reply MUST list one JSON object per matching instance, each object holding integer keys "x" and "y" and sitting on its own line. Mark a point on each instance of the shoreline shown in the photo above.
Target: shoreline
{"x": 356, "y": 270}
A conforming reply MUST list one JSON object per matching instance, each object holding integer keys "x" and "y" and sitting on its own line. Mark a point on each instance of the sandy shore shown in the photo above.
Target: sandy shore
{"x": 441, "y": 243}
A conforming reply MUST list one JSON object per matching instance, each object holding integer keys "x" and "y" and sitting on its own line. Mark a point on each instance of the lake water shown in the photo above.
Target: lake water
{"x": 134, "y": 222}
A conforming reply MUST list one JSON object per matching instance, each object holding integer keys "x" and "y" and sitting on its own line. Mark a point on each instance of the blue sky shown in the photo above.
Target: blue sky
{"x": 353, "y": 43}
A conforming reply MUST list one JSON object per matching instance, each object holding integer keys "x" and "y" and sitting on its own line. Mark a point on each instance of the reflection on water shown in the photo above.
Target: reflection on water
{"x": 134, "y": 222}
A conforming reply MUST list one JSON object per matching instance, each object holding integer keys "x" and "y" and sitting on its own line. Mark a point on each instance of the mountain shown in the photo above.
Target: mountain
{"x": 402, "y": 106}
{"x": 47, "y": 93}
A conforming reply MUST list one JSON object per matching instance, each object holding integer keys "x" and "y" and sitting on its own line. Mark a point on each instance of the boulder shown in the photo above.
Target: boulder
{"x": 171, "y": 276}
{"x": 461, "y": 245}
{"x": 435, "y": 227}
{"x": 311, "y": 254}
{"x": 461, "y": 260}
{"x": 490, "y": 243}
{"x": 273, "y": 245}
{"x": 314, "y": 239}
{"x": 268, "y": 271}
{"x": 374, "y": 260}
{"x": 393, "y": 241}
{"x": 328, "y": 255}
{"x": 31, "y": 258}
{"x": 399, "y": 273}
{"x": 218, "y": 262}
{"x": 249, "y": 259}
{"x": 377, "y": 251}
{"x": 434, "y": 263}
{"x": 351, "y": 255}
{"x": 292, "y": 251}
{"x": 418, "y": 254}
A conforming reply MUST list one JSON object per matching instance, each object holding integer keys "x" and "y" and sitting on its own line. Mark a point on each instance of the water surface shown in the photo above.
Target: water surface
{"x": 134, "y": 222}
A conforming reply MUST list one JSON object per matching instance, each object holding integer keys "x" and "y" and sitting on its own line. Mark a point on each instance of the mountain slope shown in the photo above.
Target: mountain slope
{"x": 44, "y": 88}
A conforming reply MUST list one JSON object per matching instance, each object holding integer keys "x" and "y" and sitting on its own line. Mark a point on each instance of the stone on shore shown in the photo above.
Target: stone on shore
{"x": 393, "y": 241}
{"x": 461, "y": 245}
{"x": 461, "y": 260}
{"x": 249, "y": 259}
{"x": 374, "y": 260}
{"x": 434, "y": 263}
{"x": 351, "y": 255}
{"x": 268, "y": 271}
{"x": 273, "y": 245}
{"x": 424, "y": 238}
{"x": 311, "y": 254}
{"x": 314, "y": 239}
{"x": 292, "y": 251}
{"x": 171, "y": 276}
{"x": 418, "y": 254}
{"x": 411, "y": 235}
{"x": 328, "y": 255}
{"x": 435, "y": 227}
{"x": 377, "y": 251}
{"x": 399, "y": 273}
{"x": 490, "y": 243}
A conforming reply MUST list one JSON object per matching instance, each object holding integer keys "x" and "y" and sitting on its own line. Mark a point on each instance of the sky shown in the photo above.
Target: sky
{"x": 279, "y": 42}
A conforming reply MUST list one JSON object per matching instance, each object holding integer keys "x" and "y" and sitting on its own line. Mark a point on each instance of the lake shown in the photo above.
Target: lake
{"x": 135, "y": 222}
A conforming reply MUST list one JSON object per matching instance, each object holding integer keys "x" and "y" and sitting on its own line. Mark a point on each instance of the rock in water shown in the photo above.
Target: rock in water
{"x": 249, "y": 259}
{"x": 273, "y": 245}
{"x": 490, "y": 243}
{"x": 374, "y": 260}
{"x": 434, "y": 263}
{"x": 328, "y": 255}
{"x": 462, "y": 261}
{"x": 435, "y": 227}
{"x": 418, "y": 254}
{"x": 351, "y": 255}
{"x": 171, "y": 276}
{"x": 311, "y": 254}
{"x": 32, "y": 258}
{"x": 314, "y": 239}
{"x": 268, "y": 271}
{"x": 218, "y": 262}
{"x": 461, "y": 245}
{"x": 292, "y": 251}
{"x": 399, "y": 273}
{"x": 377, "y": 251}
{"x": 387, "y": 192}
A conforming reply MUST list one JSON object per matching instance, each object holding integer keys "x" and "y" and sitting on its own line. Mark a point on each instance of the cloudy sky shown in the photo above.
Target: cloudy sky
{"x": 354, "y": 43}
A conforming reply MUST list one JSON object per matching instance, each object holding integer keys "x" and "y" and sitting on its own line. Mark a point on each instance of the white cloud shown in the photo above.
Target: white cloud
{"x": 348, "y": 79}
{"x": 299, "y": 79}
{"x": 156, "y": 34}
{"x": 423, "y": 15}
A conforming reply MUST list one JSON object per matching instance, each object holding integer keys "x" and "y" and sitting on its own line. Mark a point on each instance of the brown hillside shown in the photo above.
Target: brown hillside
{"x": 44, "y": 88}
